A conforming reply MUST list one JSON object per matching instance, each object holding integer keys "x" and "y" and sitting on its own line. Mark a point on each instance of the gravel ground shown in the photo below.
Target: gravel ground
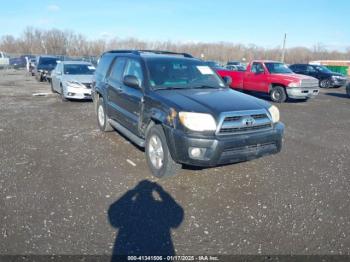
{"x": 67, "y": 188}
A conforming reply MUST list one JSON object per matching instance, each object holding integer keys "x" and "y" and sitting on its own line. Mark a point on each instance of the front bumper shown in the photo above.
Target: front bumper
{"x": 78, "y": 93}
{"x": 224, "y": 150}
{"x": 338, "y": 82}
{"x": 302, "y": 92}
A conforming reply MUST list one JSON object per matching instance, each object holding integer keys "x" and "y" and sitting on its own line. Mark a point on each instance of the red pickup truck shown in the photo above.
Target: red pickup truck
{"x": 273, "y": 78}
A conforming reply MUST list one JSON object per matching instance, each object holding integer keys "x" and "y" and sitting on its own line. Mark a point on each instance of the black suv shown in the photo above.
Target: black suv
{"x": 326, "y": 77}
{"x": 44, "y": 66}
{"x": 181, "y": 111}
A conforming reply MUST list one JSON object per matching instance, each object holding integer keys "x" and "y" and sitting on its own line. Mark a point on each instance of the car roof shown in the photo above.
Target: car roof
{"x": 75, "y": 62}
{"x": 266, "y": 61}
{"x": 47, "y": 56}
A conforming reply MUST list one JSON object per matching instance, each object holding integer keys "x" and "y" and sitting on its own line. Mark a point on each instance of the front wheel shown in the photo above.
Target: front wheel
{"x": 63, "y": 98}
{"x": 325, "y": 83}
{"x": 278, "y": 94}
{"x": 158, "y": 155}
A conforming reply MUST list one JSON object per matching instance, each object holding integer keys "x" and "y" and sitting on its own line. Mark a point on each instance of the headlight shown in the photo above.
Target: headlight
{"x": 275, "y": 114}
{"x": 294, "y": 84}
{"x": 74, "y": 84}
{"x": 197, "y": 121}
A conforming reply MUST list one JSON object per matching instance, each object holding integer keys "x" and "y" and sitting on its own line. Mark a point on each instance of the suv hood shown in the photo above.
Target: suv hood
{"x": 213, "y": 101}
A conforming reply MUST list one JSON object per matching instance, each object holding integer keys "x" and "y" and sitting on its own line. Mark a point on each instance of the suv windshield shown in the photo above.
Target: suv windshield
{"x": 47, "y": 61}
{"x": 182, "y": 73}
{"x": 323, "y": 69}
{"x": 278, "y": 68}
{"x": 78, "y": 69}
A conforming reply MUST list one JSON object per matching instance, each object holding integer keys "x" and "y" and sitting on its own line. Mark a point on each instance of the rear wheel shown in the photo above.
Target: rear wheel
{"x": 278, "y": 94}
{"x": 348, "y": 90}
{"x": 102, "y": 118}
{"x": 325, "y": 83}
{"x": 158, "y": 155}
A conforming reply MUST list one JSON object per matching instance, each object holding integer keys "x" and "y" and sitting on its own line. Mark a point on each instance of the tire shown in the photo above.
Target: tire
{"x": 102, "y": 118}
{"x": 63, "y": 98}
{"x": 158, "y": 156}
{"x": 348, "y": 90}
{"x": 278, "y": 94}
{"x": 52, "y": 90}
{"x": 325, "y": 83}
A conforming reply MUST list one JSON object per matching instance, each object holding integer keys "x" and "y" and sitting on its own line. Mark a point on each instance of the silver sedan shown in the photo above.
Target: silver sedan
{"x": 72, "y": 79}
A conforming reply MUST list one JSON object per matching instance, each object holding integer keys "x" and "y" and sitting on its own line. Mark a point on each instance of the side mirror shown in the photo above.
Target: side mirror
{"x": 132, "y": 81}
{"x": 227, "y": 80}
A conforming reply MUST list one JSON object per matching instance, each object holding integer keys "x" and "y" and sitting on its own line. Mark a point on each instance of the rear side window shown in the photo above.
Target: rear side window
{"x": 311, "y": 69}
{"x": 103, "y": 66}
{"x": 117, "y": 69}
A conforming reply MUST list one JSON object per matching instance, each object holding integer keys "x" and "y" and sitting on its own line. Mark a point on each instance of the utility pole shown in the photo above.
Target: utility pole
{"x": 284, "y": 48}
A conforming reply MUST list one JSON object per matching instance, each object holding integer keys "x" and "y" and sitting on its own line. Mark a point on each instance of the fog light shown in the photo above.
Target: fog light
{"x": 197, "y": 152}
{"x": 71, "y": 94}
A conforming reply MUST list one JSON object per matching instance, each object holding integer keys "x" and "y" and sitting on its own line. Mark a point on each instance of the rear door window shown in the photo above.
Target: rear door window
{"x": 310, "y": 69}
{"x": 117, "y": 69}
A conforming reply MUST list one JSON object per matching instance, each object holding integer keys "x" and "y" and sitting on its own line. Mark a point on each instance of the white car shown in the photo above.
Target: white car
{"x": 72, "y": 79}
{"x": 4, "y": 60}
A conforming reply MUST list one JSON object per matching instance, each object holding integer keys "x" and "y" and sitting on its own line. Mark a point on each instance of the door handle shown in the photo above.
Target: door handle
{"x": 116, "y": 88}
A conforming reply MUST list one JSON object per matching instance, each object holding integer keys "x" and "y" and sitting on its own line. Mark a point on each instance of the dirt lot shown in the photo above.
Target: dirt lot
{"x": 61, "y": 181}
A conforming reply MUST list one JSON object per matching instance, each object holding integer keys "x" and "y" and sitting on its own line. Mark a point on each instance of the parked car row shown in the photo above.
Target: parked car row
{"x": 272, "y": 78}
{"x": 180, "y": 109}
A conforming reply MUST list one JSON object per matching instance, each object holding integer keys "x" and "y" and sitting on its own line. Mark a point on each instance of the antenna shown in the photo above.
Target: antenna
{"x": 284, "y": 48}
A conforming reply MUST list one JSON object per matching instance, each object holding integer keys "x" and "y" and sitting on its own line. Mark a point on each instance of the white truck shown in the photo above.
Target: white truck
{"x": 4, "y": 60}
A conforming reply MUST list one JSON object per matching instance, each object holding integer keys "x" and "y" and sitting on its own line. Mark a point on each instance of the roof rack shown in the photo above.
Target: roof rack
{"x": 166, "y": 53}
{"x": 138, "y": 52}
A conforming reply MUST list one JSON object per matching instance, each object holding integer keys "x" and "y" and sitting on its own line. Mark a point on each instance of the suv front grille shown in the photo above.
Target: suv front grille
{"x": 244, "y": 121}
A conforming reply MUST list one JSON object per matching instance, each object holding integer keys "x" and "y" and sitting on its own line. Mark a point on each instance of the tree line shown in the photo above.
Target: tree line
{"x": 68, "y": 43}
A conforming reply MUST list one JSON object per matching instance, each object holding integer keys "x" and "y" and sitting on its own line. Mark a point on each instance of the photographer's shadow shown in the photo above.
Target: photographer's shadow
{"x": 144, "y": 216}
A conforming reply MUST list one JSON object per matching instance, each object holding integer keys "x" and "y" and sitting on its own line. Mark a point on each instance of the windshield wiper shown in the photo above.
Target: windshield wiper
{"x": 170, "y": 88}
{"x": 204, "y": 86}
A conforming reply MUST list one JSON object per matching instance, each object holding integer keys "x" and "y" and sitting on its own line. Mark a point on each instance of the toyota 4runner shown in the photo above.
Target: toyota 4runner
{"x": 181, "y": 111}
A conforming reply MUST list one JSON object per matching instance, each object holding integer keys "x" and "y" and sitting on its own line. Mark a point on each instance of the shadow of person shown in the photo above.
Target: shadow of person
{"x": 144, "y": 216}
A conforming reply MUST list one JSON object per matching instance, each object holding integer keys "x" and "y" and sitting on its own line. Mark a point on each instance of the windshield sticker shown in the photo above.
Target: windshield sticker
{"x": 205, "y": 70}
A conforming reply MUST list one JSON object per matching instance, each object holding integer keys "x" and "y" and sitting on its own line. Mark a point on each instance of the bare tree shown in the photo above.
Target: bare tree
{"x": 58, "y": 42}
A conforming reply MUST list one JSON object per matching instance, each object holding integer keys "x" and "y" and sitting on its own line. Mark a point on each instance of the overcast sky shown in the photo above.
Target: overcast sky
{"x": 249, "y": 22}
